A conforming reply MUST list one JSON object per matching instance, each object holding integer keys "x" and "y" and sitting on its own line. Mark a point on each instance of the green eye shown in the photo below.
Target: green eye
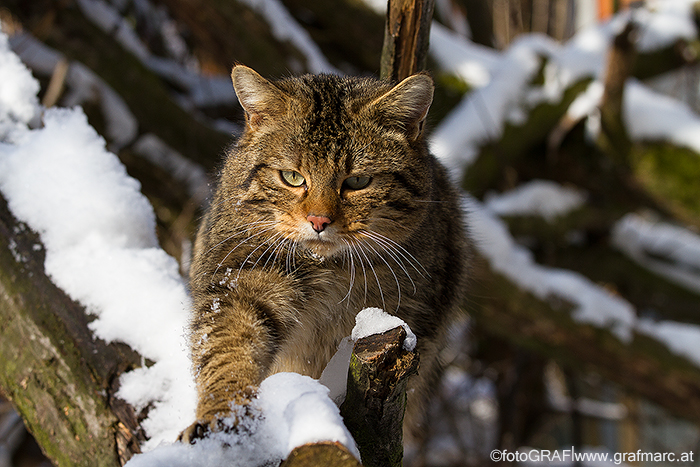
{"x": 292, "y": 178}
{"x": 357, "y": 183}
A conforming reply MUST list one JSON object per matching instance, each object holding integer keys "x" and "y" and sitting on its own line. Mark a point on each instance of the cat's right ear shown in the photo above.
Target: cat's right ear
{"x": 407, "y": 104}
{"x": 261, "y": 100}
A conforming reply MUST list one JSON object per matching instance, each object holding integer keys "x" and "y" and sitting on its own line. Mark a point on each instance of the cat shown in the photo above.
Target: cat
{"x": 328, "y": 203}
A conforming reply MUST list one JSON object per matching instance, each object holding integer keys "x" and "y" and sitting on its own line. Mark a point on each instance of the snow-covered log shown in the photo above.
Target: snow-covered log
{"x": 376, "y": 396}
{"x": 61, "y": 378}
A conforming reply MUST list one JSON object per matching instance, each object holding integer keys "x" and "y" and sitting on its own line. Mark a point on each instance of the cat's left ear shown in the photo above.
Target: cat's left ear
{"x": 260, "y": 99}
{"x": 407, "y": 103}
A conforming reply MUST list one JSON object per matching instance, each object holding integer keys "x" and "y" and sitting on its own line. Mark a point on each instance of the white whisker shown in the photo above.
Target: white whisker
{"x": 241, "y": 229}
{"x": 376, "y": 278}
{"x": 394, "y": 254}
{"x": 221, "y": 263}
{"x": 405, "y": 254}
{"x": 350, "y": 260}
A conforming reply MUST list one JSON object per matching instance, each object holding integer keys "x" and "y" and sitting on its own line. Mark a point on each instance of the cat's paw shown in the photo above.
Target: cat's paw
{"x": 199, "y": 430}
{"x": 243, "y": 419}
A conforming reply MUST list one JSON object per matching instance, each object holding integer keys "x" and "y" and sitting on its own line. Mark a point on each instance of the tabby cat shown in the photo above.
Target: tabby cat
{"x": 328, "y": 203}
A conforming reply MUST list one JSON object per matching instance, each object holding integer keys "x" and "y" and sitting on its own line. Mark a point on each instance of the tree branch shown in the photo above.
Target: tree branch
{"x": 376, "y": 399}
{"x": 406, "y": 37}
{"x": 59, "y": 377}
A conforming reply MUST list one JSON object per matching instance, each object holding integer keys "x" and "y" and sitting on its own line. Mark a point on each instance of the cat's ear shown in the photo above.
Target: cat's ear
{"x": 261, "y": 100}
{"x": 407, "y": 103}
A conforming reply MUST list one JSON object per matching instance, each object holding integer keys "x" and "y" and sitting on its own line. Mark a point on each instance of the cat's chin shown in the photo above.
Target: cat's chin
{"x": 322, "y": 249}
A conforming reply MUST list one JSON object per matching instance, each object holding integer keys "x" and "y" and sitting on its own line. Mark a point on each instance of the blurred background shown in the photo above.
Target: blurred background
{"x": 571, "y": 125}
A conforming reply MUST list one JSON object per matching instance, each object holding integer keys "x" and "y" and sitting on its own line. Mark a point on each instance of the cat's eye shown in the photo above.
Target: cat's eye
{"x": 292, "y": 178}
{"x": 357, "y": 183}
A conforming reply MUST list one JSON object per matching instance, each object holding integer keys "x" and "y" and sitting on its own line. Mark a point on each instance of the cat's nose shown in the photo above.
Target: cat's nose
{"x": 319, "y": 223}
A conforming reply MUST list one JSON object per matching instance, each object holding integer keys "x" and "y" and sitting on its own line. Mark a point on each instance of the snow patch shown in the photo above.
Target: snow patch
{"x": 372, "y": 321}
{"x": 593, "y": 304}
{"x": 681, "y": 338}
{"x": 285, "y": 28}
{"x": 543, "y": 198}
{"x": 651, "y": 116}
{"x": 291, "y": 410}
{"x": 101, "y": 249}
{"x": 18, "y": 102}
{"x": 668, "y": 250}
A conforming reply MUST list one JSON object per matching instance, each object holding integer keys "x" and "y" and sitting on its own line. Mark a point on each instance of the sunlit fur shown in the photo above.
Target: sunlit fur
{"x": 271, "y": 293}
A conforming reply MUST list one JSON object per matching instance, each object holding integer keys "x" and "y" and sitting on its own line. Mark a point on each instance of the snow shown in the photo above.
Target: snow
{"x": 681, "y": 338}
{"x": 592, "y": 304}
{"x": 368, "y": 321}
{"x": 543, "y": 198}
{"x": 18, "y": 101}
{"x": 290, "y": 410}
{"x": 480, "y": 116}
{"x": 665, "y": 23}
{"x": 335, "y": 375}
{"x": 471, "y": 62}
{"x": 668, "y": 250}
{"x": 504, "y": 90}
{"x": 285, "y": 28}
{"x": 82, "y": 86}
{"x": 201, "y": 90}
{"x": 192, "y": 175}
{"x": 101, "y": 249}
{"x": 651, "y": 116}
{"x": 375, "y": 321}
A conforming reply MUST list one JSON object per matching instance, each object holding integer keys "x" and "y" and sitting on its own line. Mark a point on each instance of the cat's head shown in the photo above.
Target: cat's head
{"x": 332, "y": 163}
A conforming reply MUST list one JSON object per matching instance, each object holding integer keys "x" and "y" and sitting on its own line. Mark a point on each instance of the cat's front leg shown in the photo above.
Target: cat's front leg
{"x": 231, "y": 350}
{"x": 235, "y": 331}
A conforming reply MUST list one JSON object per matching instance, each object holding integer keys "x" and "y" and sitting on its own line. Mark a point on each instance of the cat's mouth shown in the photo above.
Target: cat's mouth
{"x": 322, "y": 245}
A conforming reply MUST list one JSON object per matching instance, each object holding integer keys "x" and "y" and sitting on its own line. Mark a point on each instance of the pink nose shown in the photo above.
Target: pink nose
{"x": 319, "y": 223}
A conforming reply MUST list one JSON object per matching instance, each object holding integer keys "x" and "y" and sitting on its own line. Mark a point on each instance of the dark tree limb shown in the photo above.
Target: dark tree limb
{"x": 406, "y": 38}
{"x": 376, "y": 399}
{"x": 643, "y": 366}
{"x": 620, "y": 62}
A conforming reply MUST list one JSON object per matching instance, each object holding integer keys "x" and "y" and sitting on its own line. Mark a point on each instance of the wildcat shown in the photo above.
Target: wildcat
{"x": 328, "y": 203}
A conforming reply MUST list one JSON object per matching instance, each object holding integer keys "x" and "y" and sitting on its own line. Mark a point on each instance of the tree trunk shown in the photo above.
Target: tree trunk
{"x": 406, "y": 38}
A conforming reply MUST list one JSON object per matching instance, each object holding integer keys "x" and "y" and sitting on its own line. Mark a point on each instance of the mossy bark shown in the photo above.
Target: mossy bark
{"x": 52, "y": 368}
{"x": 376, "y": 396}
{"x": 670, "y": 175}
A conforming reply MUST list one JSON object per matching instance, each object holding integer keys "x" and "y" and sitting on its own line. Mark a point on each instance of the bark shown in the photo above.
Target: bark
{"x": 376, "y": 399}
{"x": 406, "y": 38}
{"x": 620, "y": 62}
{"x": 480, "y": 21}
{"x": 60, "y": 378}
{"x": 326, "y": 454}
